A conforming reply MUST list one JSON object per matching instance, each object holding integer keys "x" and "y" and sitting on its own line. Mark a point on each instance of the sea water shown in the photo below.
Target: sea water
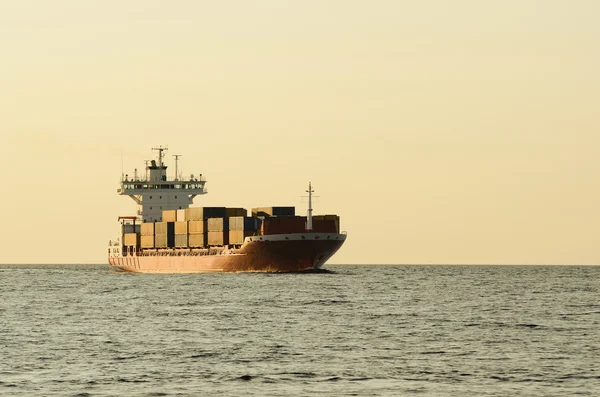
{"x": 87, "y": 330}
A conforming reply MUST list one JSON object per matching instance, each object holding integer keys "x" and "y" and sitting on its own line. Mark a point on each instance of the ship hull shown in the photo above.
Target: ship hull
{"x": 273, "y": 253}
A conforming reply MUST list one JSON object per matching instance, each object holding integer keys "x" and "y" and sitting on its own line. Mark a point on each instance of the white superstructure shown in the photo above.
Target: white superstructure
{"x": 155, "y": 191}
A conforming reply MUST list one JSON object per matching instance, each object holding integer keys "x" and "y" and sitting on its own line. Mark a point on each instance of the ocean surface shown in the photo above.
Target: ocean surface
{"x": 86, "y": 330}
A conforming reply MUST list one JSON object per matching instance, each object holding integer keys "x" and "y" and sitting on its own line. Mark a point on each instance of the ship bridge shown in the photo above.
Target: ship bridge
{"x": 155, "y": 191}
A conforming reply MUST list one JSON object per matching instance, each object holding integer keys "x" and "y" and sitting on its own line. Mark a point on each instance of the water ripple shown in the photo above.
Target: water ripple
{"x": 354, "y": 330}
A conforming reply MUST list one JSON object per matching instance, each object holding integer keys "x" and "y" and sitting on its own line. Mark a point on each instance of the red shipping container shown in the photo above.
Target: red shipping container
{"x": 325, "y": 226}
{"x": 284, "y": 225}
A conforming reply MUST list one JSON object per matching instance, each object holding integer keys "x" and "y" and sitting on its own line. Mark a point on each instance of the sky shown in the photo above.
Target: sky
{"x": 441, "y": 132}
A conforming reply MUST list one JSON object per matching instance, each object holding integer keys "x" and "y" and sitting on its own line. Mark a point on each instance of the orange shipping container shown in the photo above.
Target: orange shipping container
{"x": 201, "y": 213}
{"x": 196, "y": 227}
{"x": 169, "y": 215}
{"x": 147, "y": 241}
{"x": 181, "y": 228}
{"x": 197, "y": 240}
{"x": 147, "y": 229}
{"x": 131, "y": 239}
{"x": 237, "y": 236}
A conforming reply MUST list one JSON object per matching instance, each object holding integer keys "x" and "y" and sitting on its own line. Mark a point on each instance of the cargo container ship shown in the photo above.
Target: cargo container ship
{"x": 166, "y": 235}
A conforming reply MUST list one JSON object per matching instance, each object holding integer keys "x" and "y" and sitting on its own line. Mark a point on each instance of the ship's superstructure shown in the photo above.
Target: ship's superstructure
{"x": 169, "y": 236}
{"x": 155, "y": 192}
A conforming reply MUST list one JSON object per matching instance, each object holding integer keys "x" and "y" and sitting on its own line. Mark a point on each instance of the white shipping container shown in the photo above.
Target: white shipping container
{"x": 181, "y": 216}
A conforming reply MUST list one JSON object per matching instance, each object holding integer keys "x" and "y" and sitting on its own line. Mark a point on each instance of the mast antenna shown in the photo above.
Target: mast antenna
{"x": 309, "y": 214}
{"x": 177, "y": 156}
{"x": 160, "y": 150}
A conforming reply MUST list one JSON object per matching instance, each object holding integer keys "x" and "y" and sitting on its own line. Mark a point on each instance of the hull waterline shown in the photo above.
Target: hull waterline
{"x": 275, "y": 253}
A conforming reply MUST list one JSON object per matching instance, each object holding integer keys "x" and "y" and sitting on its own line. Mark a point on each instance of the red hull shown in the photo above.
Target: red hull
{"x": 277, "y": 253}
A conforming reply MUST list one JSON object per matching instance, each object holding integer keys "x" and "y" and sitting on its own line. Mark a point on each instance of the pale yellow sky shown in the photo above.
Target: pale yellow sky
{"x": 440, "y": 131}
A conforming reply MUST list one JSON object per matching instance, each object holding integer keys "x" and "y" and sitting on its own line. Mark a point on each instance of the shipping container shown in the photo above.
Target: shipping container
{"x": 169, "y": 215}
{"x": 147, "y": 241}
{"x": 181, "y": 216}
{"x": 164, "y": 228}
{"x": 197, "y": 240}
{"x": 244, "y": 223}
{"x": 181, "y": 241}
{"x": 237, "y": 236}
{"x": 131, "y": 240}
{"x": 274, "y": 211}
{"x": 284, "y": 225}
{"x": 229, "y": 212}
{"x": 164, "y": 240}
{"x": 147, "y": 229}
{"x": 181, "y": 228}
{"x": 201, "y": 213}
{"x": 325, "y": 226}
{"x": 218, "y": 238}
{"x": 217, "y": 224}
{"x": 130, "y": 228}
{"x": 196, "y": 227}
